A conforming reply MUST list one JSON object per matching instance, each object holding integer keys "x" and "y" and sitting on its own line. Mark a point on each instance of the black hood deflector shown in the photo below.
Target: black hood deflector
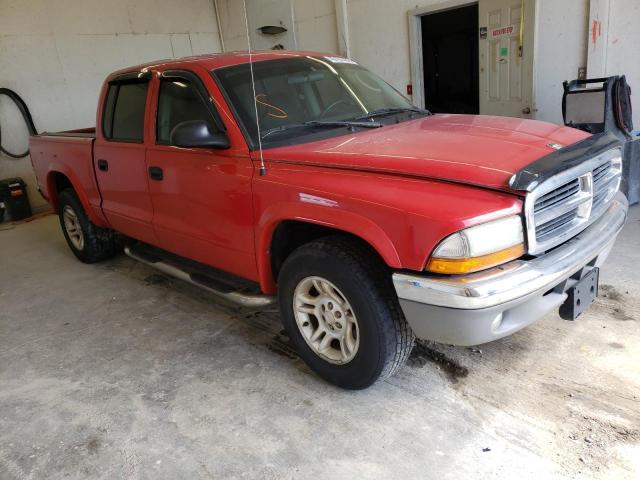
{"x": 540, "y": 170}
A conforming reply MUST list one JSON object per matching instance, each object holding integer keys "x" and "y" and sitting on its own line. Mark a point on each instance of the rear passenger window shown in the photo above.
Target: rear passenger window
{"x": 178, "y": 102}
{"x": 124, "y": 111}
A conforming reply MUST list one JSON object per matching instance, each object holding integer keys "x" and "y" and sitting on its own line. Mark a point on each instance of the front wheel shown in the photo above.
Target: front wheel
{"x": 339, "y": 308}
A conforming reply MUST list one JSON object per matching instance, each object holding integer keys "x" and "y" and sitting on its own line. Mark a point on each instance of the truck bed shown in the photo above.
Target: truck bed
{"x": 78, "y": 133}
{"x": 67, "y": 158}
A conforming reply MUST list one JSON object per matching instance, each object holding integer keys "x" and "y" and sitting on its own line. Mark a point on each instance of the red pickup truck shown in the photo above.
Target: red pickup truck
{"x": 304, "y": 179}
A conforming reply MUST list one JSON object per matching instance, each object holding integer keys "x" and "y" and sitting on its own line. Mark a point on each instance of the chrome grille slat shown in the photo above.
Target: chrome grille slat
{"x": 561, "y": 208}
{"x": 549, "y": 227}
{"x": 604, "y": 180}
{"x": 567, "y": 203}
{"x": 557, "y": 195}
{"x": 603, "y": 176}
{"x": 602, "y": 167}
{"x": 603, "y": 190}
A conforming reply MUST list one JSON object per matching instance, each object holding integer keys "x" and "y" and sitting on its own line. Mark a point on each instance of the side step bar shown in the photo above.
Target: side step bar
{"x": 249, "y": 300}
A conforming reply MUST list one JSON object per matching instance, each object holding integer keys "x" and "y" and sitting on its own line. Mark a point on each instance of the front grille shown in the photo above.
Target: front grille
{"x": 564, "y": 205}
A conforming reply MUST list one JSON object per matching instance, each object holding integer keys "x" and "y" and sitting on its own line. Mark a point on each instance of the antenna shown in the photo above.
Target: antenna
{"x": 263, "y": 170}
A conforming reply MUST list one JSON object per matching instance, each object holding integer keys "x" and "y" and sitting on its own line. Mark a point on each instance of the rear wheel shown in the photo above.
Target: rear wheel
{"x": 339, "y": 308}
{"x": 87, "y": 241}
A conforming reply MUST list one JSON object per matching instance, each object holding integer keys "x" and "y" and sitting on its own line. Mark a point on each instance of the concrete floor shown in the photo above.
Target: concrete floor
{"x": 115, "y": 371}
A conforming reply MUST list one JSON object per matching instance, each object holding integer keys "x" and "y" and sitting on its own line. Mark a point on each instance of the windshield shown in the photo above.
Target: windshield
{"x": 294, "y": 91}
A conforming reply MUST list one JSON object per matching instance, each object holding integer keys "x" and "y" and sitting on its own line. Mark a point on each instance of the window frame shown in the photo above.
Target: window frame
{"x": 116, "y": 81}
{"x": 253, "y": 146}
{"x": 201, "y": 90}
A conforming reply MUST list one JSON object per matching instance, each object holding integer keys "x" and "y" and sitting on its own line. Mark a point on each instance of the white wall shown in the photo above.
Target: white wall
{"x": 232, "y": 24}
{"x": 56, "y": 53}
{"x": 262, "y": 13}
{"x": 379, "y": 37}
{"x": 379, "y": 40}
{"x": 314, "y": 23}
{"x": 316, "y": 26}
{"x": 615, "y": 47}
{"x": 561, "y": 48}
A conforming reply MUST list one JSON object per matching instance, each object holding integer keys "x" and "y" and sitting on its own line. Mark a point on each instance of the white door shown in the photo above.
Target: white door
{"x": 506, "y": 57}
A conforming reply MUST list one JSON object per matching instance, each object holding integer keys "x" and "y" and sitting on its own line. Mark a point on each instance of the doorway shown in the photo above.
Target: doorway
{"x": 450, "y": 60}
{"x": 442, "y": 71}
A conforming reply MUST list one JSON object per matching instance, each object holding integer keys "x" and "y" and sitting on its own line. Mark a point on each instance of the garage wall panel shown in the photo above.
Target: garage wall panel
{"x": 379, "y": 37}
{"x": 56, "y": 53}
{"x": 614, "y": 39}
{"x": 561, "y": 48}
{"x": 314, "y": 21}
{"x": 316, "y": 25}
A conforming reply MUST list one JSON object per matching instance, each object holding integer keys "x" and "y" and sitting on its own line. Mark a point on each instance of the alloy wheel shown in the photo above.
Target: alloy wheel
{"x": 326, "y": 320}
{"x": 72, "y": 227}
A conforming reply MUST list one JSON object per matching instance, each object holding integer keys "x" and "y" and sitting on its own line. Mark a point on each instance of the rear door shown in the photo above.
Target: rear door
{"x": 119, "y": 157}
{"x": 201, "y": 196}
{"x": 506, "y": 57}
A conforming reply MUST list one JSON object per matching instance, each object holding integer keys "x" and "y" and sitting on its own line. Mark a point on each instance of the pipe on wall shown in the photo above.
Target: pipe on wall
{"x": 342, "y": 19}
{"x": 215, "y": 8}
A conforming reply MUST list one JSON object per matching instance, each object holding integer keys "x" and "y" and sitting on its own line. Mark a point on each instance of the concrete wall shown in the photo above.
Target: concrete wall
{"x": 56, "y": 53}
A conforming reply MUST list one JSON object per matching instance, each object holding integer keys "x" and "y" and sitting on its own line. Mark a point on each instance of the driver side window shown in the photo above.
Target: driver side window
{"x": 179, "y": 101}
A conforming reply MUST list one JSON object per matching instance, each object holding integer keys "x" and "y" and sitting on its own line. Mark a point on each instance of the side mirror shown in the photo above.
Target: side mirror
{"x": 197, "y": 134}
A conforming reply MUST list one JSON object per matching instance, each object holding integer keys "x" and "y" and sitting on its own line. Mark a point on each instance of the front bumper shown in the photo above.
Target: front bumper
{"x": 484, "y": 306}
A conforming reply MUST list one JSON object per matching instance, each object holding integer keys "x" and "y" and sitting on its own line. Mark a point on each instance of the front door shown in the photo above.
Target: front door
{"x": 119, "y": 158}
{"x": 201, "y": 196}
{"x": 506, "y": 57}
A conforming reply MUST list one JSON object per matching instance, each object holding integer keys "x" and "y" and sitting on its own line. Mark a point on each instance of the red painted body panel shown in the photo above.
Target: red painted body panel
{"x": 471, "y": 149}
{"x": 71, "y": 157}
{"x": 401, "y": 188}
{"x": 126, "y": 201}
{"x": 203, "y": 208}
{"x": 403, "y": 218}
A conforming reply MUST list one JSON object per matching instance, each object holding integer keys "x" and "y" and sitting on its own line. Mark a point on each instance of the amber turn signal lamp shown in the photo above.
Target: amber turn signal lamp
{"x": 456, "y": 266}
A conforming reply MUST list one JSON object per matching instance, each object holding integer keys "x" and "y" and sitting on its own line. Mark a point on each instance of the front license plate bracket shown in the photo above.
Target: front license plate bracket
{"x": 581, "y": 295}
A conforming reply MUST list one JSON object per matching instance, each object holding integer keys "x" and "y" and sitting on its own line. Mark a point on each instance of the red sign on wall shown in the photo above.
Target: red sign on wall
{"x": 503, "y": 31}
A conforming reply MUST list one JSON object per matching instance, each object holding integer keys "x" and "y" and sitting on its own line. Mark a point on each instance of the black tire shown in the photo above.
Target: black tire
{"x": 385, "y": 337}
{"x": 98, "y": 243}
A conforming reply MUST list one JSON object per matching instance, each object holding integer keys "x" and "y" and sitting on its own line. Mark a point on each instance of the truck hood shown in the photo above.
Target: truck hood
{"x": 471, "y": 149}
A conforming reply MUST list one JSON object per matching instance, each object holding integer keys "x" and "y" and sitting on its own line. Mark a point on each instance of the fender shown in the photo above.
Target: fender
{"x": 326, "y": 216}
{"x": 94, "y": 215}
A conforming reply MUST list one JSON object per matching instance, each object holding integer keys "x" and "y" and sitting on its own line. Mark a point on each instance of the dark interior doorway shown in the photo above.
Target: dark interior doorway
{"x": 450, "y": 60}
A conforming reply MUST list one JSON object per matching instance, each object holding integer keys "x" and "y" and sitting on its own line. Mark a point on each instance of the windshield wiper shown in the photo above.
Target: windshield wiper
{"x": 316, "y": 123}
{"x": 390, "y": 111}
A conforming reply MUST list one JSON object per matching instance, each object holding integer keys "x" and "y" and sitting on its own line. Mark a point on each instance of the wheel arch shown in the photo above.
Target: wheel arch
{"x": 282, "y": 235}
{"x": 59, "y": 180}
{"x": 56, "y": 183}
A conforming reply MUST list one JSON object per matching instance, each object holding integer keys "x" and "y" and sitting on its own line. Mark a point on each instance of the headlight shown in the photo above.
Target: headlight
{"x": 479, "y": 247}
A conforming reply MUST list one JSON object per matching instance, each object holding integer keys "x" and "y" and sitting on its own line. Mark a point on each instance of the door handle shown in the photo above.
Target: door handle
{"x": 103, "y": 165}
{"x": 156, "y": 173}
